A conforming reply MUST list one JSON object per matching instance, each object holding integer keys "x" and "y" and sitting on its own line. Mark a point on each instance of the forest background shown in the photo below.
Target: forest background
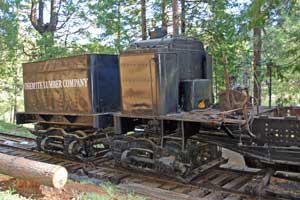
{"x": 260, "y": 38}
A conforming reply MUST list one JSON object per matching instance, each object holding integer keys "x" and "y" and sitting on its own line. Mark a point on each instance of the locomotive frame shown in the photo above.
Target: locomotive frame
{"x": 175, "y": 133}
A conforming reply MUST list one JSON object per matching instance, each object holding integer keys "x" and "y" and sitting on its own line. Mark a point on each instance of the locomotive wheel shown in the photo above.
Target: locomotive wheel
{"x": 174, "y": 148}
{"x": 80, "y": 134}
{"x": 52, "y": 144}
{"x": 79, "y": 144}
{"x": 140, "y": 154}
{"x": 75, "y": 145}
{"x": 75, "y": 149}
{"x": 124, "y": 158}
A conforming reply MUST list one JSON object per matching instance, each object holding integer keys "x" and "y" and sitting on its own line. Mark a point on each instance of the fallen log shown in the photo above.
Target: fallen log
{"x": 37, "y": 172}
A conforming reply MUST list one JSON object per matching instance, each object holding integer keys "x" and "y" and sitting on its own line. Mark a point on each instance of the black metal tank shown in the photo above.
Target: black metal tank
{"x": 151, "y": 72}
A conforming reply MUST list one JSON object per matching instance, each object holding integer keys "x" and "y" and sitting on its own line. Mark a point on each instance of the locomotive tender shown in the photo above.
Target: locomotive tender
{"x": 72, "y": 100}
{"x": 151, "y": 108}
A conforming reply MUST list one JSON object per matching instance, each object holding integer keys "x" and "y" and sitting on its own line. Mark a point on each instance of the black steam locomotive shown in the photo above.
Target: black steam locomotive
{"x": 151, "y": 108}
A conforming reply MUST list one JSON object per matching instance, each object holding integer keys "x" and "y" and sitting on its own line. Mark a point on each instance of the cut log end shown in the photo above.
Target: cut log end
{"x": 38, "y": 172}
{"x": 60, "y": 177}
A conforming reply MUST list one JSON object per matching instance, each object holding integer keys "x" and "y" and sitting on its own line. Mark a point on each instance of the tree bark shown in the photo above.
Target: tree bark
{"x": 53, "y": 17}
{"x": 164, "y": 20}
{"x": 15, "y": 95}
{"x": 175, "y": 17}
{"x": 257, "y": 21}
{"x": 44, "y": 29}
{"x": 226, "y": 79}
{"x": 257, "y": 45}
{"x": 33, "y": 17}
{"x": 40, "y": 20}
{"x": 38, "y": 172}
{"x": 183, "y": 14}
{"x": 118, "y": 43}
{"x": 143, "y": 16}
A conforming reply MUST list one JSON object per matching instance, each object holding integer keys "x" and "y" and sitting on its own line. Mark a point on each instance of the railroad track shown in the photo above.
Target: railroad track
{"x": 217, "y": 183}
{"x": 25, "y": 147}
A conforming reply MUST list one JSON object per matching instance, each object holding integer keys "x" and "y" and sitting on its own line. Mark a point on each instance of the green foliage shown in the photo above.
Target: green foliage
{"x": 108, "y": 26}
{"x": 9, "y": 31}
{"x": 10, "y": 195}
{"x": 92, "y": 196}
{"x": 110, "y": 192}
{"x": 281, "y": 51}
{"x": 119, "y": 21}
{"x": 10, "y": 85}
{"x": 110, "y": 189}
{"x": 222, "y": 30}
{"x": 226, "y": 27}
{"x": 14, "y": 129}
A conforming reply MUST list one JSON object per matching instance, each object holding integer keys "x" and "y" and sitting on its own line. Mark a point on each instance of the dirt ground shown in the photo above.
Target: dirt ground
{"x": 71, "y": 190}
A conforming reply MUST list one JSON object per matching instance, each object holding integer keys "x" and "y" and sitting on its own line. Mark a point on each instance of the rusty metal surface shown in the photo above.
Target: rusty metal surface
{"x": 149, "y": 83}
{"x": 206, "y": 116}
{"x": 73, "y": 85}
{"x": 191, "y": 54}
{"x": 277, "y": 131}
{"x": 287, "y": 111}
{"x": 139, "y": 83}
{"x": 236, "y": 99}
{"x": 176, "y": 59}
{"x": 57, "y": 85}
{"x": 278, "y": 126}
{"x": 96, "y": 120}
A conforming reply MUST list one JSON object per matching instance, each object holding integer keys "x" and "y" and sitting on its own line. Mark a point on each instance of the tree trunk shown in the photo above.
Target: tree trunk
{"x": 40, "y": 20}
{"x": 183, "y": 13}
{"x": 143, "y": 15}
{"x": 270, "y": 83}
{"x": 44, "y": 29}
{"x": 164, "y": 21}
{"x": 226, "y": 79}
{"x": 175, "y": 17}
{"x": 118, "y": 45}
{"x": 257, "y": 21}
{"x": 53, "y": 17}
{"x": 16, "y": 69}
{"x": 38, "y": 172}
{"x": 15, "y": 95}
{"x": 257, "y": 45}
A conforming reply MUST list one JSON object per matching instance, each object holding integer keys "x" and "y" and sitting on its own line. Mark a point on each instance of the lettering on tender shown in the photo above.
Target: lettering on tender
{"x": 69, "y": 83}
